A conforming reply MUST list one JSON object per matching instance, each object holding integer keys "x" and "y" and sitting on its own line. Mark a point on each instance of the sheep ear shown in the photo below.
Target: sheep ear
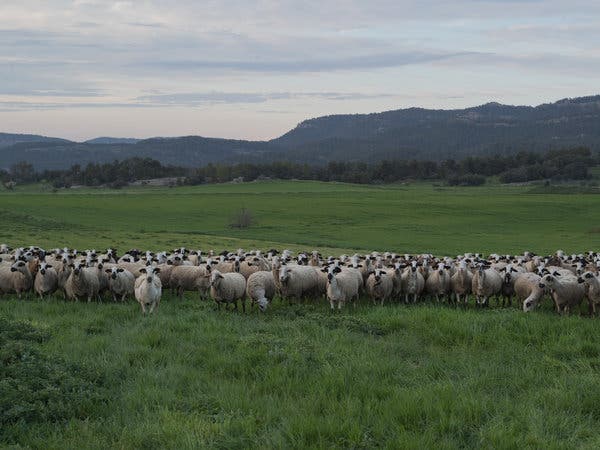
{"x": 120, "y": 270}
{"x": 157, "y": 270}
{"x": 359, "y": 265}
{"x": 325, "y": 269}
{"x": 21, "y": 264}
{"x": 143, "y": 270}
{"x": 108, "y": 270}
{"x": 503, "y": 269}
{"x": 512, "y": 269}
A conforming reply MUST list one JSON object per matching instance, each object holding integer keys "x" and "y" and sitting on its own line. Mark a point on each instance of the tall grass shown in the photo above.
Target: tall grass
{"x": 301, "y": 376}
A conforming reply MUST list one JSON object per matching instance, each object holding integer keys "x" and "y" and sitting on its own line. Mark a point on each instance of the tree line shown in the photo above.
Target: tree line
{"x": 567, "y": 164}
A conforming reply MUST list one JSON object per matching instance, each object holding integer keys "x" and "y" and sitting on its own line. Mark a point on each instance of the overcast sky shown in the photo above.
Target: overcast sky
{"x": 253, "y": 70}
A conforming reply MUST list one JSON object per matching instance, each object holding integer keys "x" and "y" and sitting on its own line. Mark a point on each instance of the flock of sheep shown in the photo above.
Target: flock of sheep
{"x": 232, "y": 276}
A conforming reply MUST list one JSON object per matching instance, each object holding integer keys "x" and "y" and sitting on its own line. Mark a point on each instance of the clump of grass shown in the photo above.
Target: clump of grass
{"x": 36, "y": 388}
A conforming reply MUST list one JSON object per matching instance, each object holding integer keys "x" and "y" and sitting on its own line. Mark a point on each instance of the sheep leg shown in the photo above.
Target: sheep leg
{"x": 331, "y": 303}
{"x": 243, "y": 305}
{"x": 143, "y": 308}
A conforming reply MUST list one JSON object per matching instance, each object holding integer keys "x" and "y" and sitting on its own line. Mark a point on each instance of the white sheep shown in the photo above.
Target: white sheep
{"x": 592, "y": 289}
{"x": 82, "y": 282}
{"x": 379, "y": 285}
{"x": 261, "y": 288}
{"x": 412, "y": 283}
{"x": 485, "y": 284}
{"x": 121, "y": 282}
{"x": 461, "y": 282}
{"x": 228, "y": 288}
{"x": 16, "y": 278}
{"x": 437, "y": 283}
{"x": 528, "y": 290}
{"x": 298, "y": 281}
{"x": 46, "y": 280}
{"x": 148, "y": 289}
{"x": 565, "y": 290}
{"x": 342, "y": 287}
{"x": 191, "y": 278}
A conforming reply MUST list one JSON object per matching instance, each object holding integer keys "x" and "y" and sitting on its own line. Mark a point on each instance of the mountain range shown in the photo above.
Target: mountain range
{"x": 413, "y": 133}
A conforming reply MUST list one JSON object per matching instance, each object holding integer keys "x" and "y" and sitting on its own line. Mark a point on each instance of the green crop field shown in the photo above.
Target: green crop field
{"x": 100, "y": 375}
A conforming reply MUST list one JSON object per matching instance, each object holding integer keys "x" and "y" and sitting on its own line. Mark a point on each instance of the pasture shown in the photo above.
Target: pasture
{"x": 298, "y": 376}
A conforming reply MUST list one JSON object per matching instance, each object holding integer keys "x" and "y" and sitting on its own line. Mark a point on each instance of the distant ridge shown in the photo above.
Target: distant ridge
{"x": 413, "y": 133}
{"x": 112, "y": 140}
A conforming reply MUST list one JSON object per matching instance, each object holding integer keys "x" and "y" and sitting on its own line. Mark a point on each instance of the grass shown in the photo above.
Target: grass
{"x": 298, "y": 376}
{"x": 305, "y": 215}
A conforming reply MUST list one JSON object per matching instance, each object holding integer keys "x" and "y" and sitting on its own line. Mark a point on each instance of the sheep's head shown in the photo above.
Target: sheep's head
{"x": 150, "y": 272}
{"x": 215, "y": 278}
{"x": 586, "y": 278}
{"x": 44, "y": 267}
{"x": 529, "y": 305}
{"x": 284, "y": 273}
{"x": 332, "y": 272}
{"x": 263, "y": 303}
{"x": 548, "y": 280}
{"x": 19, "y": 266}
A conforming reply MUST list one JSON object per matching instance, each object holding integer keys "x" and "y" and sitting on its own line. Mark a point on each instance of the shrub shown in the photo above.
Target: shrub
{"x": 242, "y": 219}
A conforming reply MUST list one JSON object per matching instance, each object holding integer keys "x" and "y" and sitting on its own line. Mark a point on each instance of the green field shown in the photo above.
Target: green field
{"x": 307, "y": 215}
{"x": 78, "y": 375}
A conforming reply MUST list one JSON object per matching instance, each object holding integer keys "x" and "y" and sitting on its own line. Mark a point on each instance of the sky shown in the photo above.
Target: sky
{"x": 246, "y": 69}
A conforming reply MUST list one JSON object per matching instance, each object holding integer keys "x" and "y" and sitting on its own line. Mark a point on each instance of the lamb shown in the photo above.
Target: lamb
{"x": 121, "y": 282}
{"x": 82, "y": 282}
{"x": 412, "y": 282}
{"x": 486, "y": 283}
{"x": 592, "y": 289}
{"x": 298, "y": 281}
{"x": 15, "y": 277}
{"x": 228, "y": 288}
{"x": 438, "y": 282}
{"x": 461, "y": 282}
{"x": 565, "y": 290}
{"x": 46, "y": 280}
{"x": 380, "y": 285}
{"x": 261, "y": 288}
{"x": 191, "y": 278}
{"x": 148, "y": 289}
{"x": 342, "y": 287}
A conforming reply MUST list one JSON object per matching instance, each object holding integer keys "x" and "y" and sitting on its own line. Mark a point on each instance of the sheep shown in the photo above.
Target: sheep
{"x": 486, "y": 283}
{"x": 565, "y": 290}
{"x": 148, "y": 288}
{"x": 191, "y": 278}
{"x": 46, "y": 280}
{"x": 508, "y": 282}
{"x": 248, "y": 267}
{"x": 412, "y": 282}
{"x": 121, "y": 282}
{"x": 82, "y": 282}
{"x": 228, "y": 288}
{"x": 133, "y": 267}
{"x": 527, "y": 290}
{"x": 461, "y": 282}
{"x": 261, "y": 288}
{"x": 342, "y": 287}
{"x": 592, "y": 285}
{"x": 16, "y": 278}
{"x": 438, "y": 282}
{"x": 380, "y": 285}
{"x": 298, "y": 281}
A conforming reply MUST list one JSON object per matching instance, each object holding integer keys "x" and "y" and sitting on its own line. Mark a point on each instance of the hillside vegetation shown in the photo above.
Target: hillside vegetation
{"x": 413, "y": 133}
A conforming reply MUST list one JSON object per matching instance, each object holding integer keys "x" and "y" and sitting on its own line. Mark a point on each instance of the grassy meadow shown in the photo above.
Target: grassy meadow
{"x": 78, "y": 375}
